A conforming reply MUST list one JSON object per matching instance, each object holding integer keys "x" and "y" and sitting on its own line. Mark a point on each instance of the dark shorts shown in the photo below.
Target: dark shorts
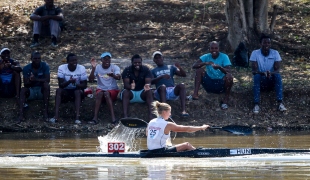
{"x": 7, "y": 90}
{"x": 68, "y": 95}
{"x": 212, "y": 85}
{"x": 169, "y": 149}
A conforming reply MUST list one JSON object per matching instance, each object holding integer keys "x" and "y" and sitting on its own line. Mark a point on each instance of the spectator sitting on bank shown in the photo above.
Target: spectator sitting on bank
{"x": 216, "y": 78}
{"x": 107, "y": 89}
{"x": 72, "y": 80}
{"x": 137, "y": 81}
{"x": 266, "y": 65}
{"x": 164, "y": 82}
{"x": 36, "y": 77}
{"x": 47, "y": 15}
{"x": 10, "y": 82}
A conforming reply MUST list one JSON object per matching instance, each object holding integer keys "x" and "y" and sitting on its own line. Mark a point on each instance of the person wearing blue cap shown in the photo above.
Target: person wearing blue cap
{"x": 107, "y": 90}
{"x": 137, "y": 80}
{"x": 10, "y": 80}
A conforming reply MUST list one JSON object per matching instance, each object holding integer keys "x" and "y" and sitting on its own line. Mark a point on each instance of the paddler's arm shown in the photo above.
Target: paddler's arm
{"x": 180, "y": 128}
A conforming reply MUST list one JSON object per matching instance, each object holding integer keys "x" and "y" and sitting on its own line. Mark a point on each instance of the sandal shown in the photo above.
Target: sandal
{"x": 52, "y": 120}
{"x": 77, "y": 121}
{"x": 185, "y": 115}
{"x": 224, "y": 106}
{"x": 92, "y": 122}
{"x": 195, "y": 97}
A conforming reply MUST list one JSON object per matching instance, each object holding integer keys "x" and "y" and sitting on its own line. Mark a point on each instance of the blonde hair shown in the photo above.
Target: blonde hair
{"x": 160, "y": 107}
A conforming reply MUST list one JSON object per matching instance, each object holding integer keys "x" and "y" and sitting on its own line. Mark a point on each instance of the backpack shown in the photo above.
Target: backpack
{"x": 241, "y": 57}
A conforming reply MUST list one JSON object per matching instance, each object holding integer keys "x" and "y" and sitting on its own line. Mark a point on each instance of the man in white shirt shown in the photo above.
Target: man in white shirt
{"x": 72, "y": 80}
{"x": 107, "y": 89}
{"x": 266, "y": 63}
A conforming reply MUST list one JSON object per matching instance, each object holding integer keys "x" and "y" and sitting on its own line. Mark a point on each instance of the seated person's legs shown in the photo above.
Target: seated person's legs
{"x": 45, "y": 90}
{"x": 55, "y": 31}
{"x": 24, "y": 93}
{"x": 213, "y": 85}
{"x": 228, "y": 83}
{"x": 78, "y": 96}
{"x": 161, "y": 93}
{"x": 109, "y": 97}
{"x": 36, "y": 33}
{"x": 7, "y": 90}
{"x": 147, "y": 96}
{"x": 99, "y": 98}
{"x": 126, "y": 96}
{"x": 17, "y": 83}
{"x": 256, "y": 87}
{"x": 198, "y": 80}
{"x": 179, "y": 91}
{"x": 278, "y": 86}
{"x": 60, "y": 93}
{"x": 32, "y": 93}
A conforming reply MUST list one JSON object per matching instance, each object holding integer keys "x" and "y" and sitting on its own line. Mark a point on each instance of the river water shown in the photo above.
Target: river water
{"x": 280, "y": 166}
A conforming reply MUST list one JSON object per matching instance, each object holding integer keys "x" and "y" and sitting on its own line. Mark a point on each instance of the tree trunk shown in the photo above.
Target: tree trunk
{"x": 246, "y": 19}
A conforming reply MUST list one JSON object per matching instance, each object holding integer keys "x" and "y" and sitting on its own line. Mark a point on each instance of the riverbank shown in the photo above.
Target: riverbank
{"x": 179, "y": 29}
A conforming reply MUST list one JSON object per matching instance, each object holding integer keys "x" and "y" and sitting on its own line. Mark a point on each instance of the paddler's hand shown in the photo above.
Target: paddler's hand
{"x": 204, "y": 127}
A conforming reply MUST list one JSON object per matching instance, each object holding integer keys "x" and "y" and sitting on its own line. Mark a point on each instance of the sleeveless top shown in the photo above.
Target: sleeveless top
{"x": 156, "y": 137}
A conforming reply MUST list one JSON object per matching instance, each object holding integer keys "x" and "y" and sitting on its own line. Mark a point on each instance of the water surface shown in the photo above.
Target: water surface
{"x": 280, "y": 166}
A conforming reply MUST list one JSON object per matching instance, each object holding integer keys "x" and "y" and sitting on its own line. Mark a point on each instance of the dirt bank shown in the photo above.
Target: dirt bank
{"x": 181, "y": 30}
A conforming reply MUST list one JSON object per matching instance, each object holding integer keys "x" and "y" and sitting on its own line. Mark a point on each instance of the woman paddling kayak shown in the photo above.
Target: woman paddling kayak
{"x": 158, "y": 130}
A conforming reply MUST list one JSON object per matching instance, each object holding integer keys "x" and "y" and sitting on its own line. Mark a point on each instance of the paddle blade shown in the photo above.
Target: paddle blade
{"x": 133, "y": 122}
{"x": 235, "y": 129}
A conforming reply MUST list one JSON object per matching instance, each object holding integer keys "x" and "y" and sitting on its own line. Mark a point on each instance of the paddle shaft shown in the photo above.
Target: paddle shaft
{"x": 139, "y": 123}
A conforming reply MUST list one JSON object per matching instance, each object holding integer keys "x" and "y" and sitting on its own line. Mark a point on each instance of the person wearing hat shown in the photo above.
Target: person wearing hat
{"x": 164, "y": 82}
{"x": 47, "y": 15}
{"x": 36, "y": 76}
{"x": 107, "y": 89}
{"x": 137, "y": 80}
{"x": 216, "y": 77}
{"x": 72, "y": 80}
{"x": 10, "y": 82}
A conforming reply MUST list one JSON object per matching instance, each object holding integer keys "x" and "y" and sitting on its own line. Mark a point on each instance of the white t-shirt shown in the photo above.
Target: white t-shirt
{"x": 79, "y": 74}
{"x": 106, "y": 82}
{"x": 156, "y": 137}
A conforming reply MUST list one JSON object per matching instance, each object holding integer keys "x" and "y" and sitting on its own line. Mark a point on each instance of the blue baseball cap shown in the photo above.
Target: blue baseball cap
{"x": 106, "y": 54}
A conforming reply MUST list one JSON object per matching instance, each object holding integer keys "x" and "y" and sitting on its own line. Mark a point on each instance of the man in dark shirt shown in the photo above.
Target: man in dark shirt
{"x": 46, "y": 15}
{"x": 9, "y": 75}
{"x": 36, "y": 77}
{"x": 137, "y": 80}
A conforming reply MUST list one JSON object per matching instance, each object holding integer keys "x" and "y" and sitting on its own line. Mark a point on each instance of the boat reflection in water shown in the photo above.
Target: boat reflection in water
{"x": 287, "y": 166}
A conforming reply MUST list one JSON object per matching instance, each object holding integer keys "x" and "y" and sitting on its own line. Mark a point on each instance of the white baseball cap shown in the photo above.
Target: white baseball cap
{"x": 155, "y": 53}
{"x": 4, "y": 49}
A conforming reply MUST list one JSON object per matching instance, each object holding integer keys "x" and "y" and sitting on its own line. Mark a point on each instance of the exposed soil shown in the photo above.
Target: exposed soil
{"x": 181, "y": 30}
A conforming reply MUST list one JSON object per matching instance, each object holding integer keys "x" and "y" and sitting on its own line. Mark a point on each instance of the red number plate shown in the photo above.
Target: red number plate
{"x": 116, "y": 147}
